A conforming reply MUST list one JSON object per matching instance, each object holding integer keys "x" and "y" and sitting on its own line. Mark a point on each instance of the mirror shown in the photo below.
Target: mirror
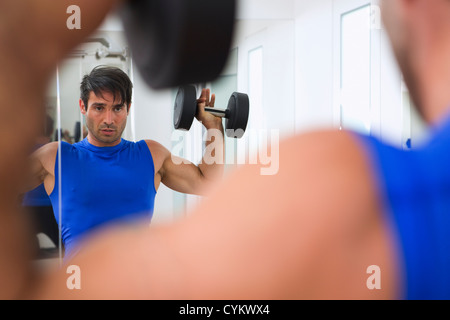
{"x": 298, "y": 60}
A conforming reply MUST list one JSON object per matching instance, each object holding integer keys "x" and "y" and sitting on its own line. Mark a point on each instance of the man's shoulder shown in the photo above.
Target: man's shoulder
{"x": 159, "y": 153}
{"x": 46, "y": 155}
{"x": 326, "y": 147}
{"x": 156, "y": 147}
{"x": 150, "y": 142}
{"x": 47, "y": 150}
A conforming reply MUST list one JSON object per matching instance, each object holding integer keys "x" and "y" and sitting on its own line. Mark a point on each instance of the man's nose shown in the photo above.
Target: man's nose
{"x": 109, "y": 117}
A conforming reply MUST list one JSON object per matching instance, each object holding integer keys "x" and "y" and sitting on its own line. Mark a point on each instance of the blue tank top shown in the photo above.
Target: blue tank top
{"x": 37, "y": 197}
{"x": 102, "y": 185}
{"x": 415, "y": 186}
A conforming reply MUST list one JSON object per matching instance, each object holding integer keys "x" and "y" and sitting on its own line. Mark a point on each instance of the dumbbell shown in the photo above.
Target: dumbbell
{"x": 236, "y": 114}
{"x": 178, "y": 42}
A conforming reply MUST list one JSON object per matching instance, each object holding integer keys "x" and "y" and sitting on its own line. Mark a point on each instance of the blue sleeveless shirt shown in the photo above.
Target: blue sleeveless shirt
{"x": 415, "y": 186}
{"x": 101, "y": 185}
{"x": 37, "y": 197}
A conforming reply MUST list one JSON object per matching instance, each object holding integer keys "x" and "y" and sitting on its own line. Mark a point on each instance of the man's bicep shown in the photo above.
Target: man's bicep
{"x": 181, "y": 175}
{"x": 176, "y": 173}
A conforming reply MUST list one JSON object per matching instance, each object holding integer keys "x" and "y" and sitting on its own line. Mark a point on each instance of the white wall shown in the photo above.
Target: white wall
{"x": 276, "y": 38}
{"x": 391, "y": 111}
{"x": 296, "y": 37}
{"x": 152, "y": 114}
{"x": 313, "y": 64}
{"x": 317, "y": 71}
{"x": 298, "y": 80}
{"x": 265, "y": 9}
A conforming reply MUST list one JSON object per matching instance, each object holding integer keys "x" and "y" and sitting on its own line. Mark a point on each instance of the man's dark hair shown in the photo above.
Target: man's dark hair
{"x": 107, "y": 79}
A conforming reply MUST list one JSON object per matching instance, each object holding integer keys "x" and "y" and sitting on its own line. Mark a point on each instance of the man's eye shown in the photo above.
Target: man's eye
{"x": 119, "y": 109}
{"x": 98, "y": 108}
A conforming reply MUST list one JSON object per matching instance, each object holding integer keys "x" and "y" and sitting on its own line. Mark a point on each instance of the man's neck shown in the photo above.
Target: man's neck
{"x": 96, "y": 143}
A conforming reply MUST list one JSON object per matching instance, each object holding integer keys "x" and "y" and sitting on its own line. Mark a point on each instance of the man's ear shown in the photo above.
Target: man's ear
{"x": 82, "y": 106}
{"x": 128, "y": 109}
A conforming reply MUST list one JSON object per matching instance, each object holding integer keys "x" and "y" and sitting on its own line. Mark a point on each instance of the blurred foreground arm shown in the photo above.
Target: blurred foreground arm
{"x": 313, "y": 238}
{"x": 33, "y": 38}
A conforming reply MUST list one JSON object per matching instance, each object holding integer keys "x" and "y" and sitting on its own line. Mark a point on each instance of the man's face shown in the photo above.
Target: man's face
{"x": 106, "y": 119}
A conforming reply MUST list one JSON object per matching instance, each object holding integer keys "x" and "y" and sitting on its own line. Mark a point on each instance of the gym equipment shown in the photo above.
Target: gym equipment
{"x": 236, "y": 114}
{"x": 77, "y": 132}
{"x": 177, "y": 42}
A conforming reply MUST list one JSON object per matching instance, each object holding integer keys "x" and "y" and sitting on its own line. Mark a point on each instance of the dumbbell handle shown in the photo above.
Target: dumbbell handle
{"x": 218, "y": 112}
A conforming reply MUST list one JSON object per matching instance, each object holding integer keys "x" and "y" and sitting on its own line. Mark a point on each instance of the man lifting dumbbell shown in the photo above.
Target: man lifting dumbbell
{"x": 106, "y": 178}
{"x": 236, "y": 114}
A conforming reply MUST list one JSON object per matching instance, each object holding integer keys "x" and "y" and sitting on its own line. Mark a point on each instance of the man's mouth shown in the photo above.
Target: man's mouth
{"x": 107, "y": 131}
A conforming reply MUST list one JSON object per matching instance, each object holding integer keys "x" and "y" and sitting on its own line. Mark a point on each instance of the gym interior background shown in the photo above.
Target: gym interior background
{"x": 304, "y": 64}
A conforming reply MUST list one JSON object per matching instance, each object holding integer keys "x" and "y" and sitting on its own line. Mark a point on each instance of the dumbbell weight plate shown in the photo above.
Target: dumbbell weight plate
{"x": 238, "y": 110}
{"x": 177, "y": 42}
{"x": 185, "y": 107}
